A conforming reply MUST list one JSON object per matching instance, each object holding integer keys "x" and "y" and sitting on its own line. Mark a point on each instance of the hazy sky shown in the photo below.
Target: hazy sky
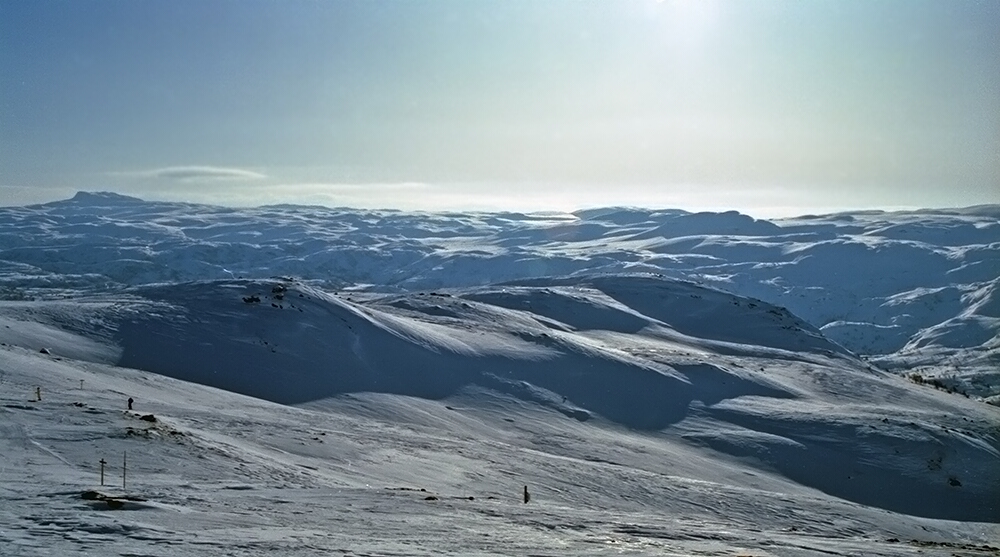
{"x": 770, "y": 107}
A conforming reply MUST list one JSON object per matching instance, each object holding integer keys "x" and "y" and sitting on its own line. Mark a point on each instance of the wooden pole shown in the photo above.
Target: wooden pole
{"x": 102, "y": 471}
{"x": 124, "y": 463}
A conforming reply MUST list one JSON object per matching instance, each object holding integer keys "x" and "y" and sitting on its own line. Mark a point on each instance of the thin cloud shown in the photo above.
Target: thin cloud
{"x": 198, "y": 173}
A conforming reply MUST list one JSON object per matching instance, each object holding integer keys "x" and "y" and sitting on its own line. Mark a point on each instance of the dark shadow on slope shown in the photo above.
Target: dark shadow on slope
{"x": 905, "y": 475}
{"x": 275, "y": 358}
{"x": 639, "y": 398}
{"x": 570, "y": 383}
{"x": 293, "y": 345}
{"x": 576, "y": 385}
{"x": 706, "y": 223}
{"x": 703, "y": 313}
{"x": 711, "y": 384}
{"x": 294, "y": 350}
{"x": 636, "y": 398}
{"x": 578, "y": 312}
{"x": 710, "y": 314}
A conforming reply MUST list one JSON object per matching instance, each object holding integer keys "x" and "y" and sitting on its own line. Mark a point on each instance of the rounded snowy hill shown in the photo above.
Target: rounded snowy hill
{"x": 289, "y": 342}
{"x": 733, "y": 376}
{"x": 877, "y": 283}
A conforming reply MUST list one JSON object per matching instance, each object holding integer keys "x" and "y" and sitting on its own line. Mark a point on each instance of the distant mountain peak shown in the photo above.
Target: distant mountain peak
{"x": 104, "y": 197}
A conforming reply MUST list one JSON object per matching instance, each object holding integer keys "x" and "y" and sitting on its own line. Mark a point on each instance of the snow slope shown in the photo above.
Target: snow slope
{"x": 397, "y": 394}
{"x": 637, "y": 423}
{"x": 368, "y": 474}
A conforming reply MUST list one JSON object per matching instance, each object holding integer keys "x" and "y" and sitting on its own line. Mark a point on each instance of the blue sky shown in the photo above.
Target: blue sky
{"x": 770, "y": 107}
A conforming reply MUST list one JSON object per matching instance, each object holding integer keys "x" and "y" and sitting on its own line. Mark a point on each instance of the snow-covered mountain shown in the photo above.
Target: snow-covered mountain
{"x": 893, "y": 286}
{"x": 373, "y": 382}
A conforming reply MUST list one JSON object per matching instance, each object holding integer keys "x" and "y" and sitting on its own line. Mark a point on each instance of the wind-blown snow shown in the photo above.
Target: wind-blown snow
{"x": 638, "y": 370}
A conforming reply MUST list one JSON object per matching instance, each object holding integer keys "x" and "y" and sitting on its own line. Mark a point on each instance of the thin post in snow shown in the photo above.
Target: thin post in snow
{"x": 124, "y": 463}
{"x": 102, "y": 471}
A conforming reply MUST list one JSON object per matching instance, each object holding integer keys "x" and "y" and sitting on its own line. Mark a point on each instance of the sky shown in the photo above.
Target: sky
{"x": 769, "y": 107}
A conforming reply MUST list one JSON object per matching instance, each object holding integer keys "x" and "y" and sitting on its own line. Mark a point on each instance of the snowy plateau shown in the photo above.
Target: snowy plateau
{"x": 321, "y": 381}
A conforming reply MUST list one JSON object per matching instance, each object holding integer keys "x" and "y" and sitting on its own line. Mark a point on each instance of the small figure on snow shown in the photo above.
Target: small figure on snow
{"x": 130, "y": 401}
{"x": 527, "y": 496}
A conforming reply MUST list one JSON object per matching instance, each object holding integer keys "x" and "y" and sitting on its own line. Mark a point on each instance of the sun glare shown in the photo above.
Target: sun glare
{"x": 688, "y": 22}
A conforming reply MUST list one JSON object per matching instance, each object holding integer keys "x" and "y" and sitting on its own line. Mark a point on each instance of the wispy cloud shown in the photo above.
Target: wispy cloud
{"x": 197, "y": 173}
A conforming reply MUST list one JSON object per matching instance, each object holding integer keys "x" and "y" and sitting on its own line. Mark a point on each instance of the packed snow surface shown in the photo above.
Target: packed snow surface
{"x": 310, "y": 380}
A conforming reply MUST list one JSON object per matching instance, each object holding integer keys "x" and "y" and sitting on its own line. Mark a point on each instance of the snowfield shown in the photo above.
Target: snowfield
{"x": 333, "y": 381}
